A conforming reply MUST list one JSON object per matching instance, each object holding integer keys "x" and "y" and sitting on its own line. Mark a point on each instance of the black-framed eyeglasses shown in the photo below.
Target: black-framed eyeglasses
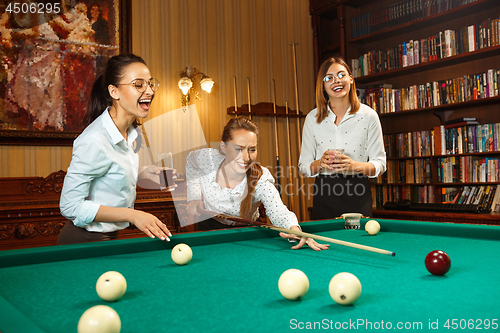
{"x": 331, "y": 78}
{"x": 141, "y": 84}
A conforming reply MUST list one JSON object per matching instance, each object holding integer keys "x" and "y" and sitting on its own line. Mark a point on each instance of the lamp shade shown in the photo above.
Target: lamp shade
{"x": 185, "y": 84}
{"x": 207, "y": 84}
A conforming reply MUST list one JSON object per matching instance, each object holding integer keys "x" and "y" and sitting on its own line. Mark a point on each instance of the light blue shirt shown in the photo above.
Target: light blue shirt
{"x": 103, "y": 171}
{"x": 359, "y": 134}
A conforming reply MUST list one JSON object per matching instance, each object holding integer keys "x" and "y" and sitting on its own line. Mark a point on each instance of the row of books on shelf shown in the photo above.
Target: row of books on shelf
{"x": 487, "y": 196}
{"x": 441, "y": 45}
{"x": 465, "y": 169}
{"x": 401, "y": 12}
{"x": 453, "y": 169}
{"x": 408, "y": 171}
{"x": 466, "y": 137}
{"x": 395, "y": 193}
{"x": 410, "y": 144}
{"x": 463, "y": 137}
{"x": 385, "y": 99}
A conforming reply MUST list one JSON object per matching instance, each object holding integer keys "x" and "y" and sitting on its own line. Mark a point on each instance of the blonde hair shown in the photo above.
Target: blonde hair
{"x": 254, "y": 172}
{"x": 322, "y": 97}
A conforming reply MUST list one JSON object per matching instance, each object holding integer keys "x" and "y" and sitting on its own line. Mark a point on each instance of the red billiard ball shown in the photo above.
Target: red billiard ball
{"x": 437, "y": 262}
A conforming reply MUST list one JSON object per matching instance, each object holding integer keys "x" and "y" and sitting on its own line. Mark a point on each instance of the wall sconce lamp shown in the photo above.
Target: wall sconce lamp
{"x": 186, "y": 84}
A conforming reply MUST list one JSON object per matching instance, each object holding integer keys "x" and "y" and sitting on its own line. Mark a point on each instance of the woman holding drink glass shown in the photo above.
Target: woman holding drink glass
{"x": 166, "y": 163}
{"x": 99, "y": 189}
{"x": 342, "y": 145}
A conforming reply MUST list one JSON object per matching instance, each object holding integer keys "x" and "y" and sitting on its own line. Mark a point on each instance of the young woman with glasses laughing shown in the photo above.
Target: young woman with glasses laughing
{"x": 342, "y": 145}
{"x": 99, "y": 189}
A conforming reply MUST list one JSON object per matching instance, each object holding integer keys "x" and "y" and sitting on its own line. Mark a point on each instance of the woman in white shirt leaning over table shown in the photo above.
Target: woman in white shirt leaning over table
{"x": 99, "y": 189}
{"x": 342, "y": 145}
{"x": 229, "y": 181}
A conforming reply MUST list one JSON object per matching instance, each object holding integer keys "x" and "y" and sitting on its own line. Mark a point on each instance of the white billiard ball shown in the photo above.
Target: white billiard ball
{"x": 182, "y": 254}
{"x": 111, "y": 286}
{"x": 372, "y": 227}
{"x": 345, "y": 288}
{"x": 293, "y": 284}
{"x": 99, "y": 319}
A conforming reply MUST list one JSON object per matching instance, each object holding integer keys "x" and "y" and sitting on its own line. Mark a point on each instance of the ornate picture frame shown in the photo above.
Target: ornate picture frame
{"x": 50, "y": 53}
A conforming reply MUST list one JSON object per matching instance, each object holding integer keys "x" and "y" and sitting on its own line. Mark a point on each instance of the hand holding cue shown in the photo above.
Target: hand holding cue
{"x": 295, "y": 232}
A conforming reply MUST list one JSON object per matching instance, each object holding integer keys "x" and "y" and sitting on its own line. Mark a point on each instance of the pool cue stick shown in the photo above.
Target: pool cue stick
{"x": 249, "y": 99}
{"x": 235, "y": 99}
{"x": 297, "y": 233}
{"x": 277, "y": 153}
{"x": 303, "y": 208}
{"x": 290, "y": 173}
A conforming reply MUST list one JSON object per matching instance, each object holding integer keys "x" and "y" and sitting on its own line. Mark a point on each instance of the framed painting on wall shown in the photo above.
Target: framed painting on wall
{"x": 50, "y": 53}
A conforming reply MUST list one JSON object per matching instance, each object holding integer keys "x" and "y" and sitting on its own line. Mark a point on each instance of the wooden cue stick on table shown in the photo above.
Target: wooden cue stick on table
{"x": 297, "y": 233}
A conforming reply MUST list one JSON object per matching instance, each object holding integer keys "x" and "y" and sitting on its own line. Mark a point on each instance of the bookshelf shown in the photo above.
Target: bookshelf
{"x": 434, "y": 89}
{"x": 327, "y": 17}
{"x": 426, "y": 17}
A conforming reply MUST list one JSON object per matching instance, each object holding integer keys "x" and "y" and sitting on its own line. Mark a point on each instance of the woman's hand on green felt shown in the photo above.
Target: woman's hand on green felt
{"x": 304, "y": 240}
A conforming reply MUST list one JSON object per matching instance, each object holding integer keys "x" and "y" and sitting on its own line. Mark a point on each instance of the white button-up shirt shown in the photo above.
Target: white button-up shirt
{"x": 359, "y": 134}
{"x": 201, "y": 170}
{"x": 103, "y": 171}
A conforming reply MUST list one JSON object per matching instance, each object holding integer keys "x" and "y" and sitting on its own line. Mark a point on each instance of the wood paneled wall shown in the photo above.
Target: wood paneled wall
{"x": 223, "y": 39}
{"x": 33, "y": 161}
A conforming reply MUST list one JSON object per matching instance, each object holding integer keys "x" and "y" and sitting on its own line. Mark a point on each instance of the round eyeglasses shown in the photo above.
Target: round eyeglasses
{"x": 331, "y": 78}
{"x": 141, "y": 84}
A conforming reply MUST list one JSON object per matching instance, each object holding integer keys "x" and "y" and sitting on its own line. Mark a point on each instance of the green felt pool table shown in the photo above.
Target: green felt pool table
{"x": 231, "y": 284}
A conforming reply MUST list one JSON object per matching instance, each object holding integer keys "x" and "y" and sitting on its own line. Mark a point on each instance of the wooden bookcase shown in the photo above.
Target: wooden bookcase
{"x": 338, "y": 15}
{"x": 30, "y": 214}
{"x": 326, "y": 18}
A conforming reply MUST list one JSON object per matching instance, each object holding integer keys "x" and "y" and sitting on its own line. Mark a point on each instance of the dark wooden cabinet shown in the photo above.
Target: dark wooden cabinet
{"x": 30, "y": 216}
{"x": 425, "y": 22}
{"x": 328, "y": 22}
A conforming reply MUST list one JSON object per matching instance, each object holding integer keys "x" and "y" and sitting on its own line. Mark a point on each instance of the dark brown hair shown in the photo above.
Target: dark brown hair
{"x": 254, "y": 172}
{"x": 100, "y": 98}
{"x": 322, "y": 97}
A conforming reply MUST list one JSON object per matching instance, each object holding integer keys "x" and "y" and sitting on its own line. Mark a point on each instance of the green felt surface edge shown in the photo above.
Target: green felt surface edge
{"x": 12, "y": 317}
{"x": 11, "y": 258}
